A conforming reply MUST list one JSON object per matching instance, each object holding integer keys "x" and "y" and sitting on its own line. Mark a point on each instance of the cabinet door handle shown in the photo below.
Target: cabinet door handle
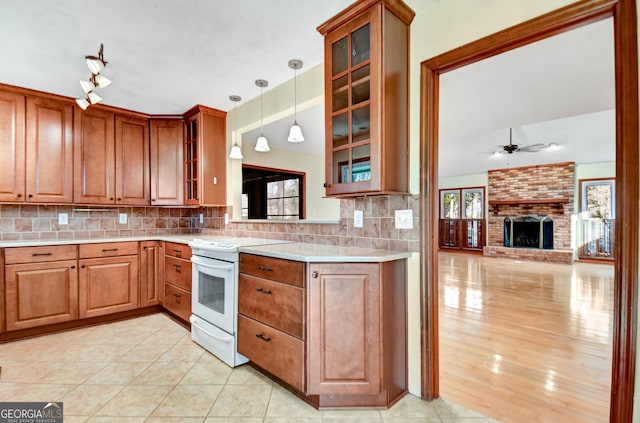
{"x": 73, "y": 267}
{"x": 41, "y": 254}
{"x": 177, "y": 295}
{"x": 19, "y": 195}
{"x": 179, "y": 266}
{"x": 314, "y": 274}
{"x": 30, "y": 195}
{"x": 261, "y": 336}
{"x": 266, "y": 269}
{"x": 119, "y": 199}
{"x": 326, "y": 185}
{"x": 153, "y": 199}
{"x": 83, "y": 266}
{"x": 264, "y": 291}
{"x": 145, "y": 247}
{"x": 106, "y": 250}
{"x": 110, "y": 198}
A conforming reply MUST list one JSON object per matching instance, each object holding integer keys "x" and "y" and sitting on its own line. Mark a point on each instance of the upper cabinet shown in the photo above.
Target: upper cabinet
{"x": 111, "y": 159}
{"x": 37, "y": 149}
{"x": 12, "y": 143}
{"x": 166, "y": 162}
{"x": 366, "y": 99}
{"x": 205, "y": 157}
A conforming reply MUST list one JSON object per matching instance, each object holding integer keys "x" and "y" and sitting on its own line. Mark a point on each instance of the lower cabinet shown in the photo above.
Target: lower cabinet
{"x": 341, "y": 341}
{"x": 177, "y": 280}
{"x": 151, "y": 273}
{"x": 108, "y": 278}
{"x": 41, "y": 286}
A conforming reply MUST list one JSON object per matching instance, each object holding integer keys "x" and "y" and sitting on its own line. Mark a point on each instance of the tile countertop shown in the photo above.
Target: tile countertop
{"x": 307, "y": 252}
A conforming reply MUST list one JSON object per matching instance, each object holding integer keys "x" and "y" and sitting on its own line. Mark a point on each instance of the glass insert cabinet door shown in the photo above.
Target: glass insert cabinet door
{"x": 351, "y": 143}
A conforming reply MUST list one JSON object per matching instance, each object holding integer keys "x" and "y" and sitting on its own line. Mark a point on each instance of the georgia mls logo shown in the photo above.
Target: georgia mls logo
{"x": 31, "y": 412}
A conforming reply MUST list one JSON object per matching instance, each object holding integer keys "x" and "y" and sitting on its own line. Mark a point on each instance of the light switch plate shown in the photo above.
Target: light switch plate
{"x": 357, "y": 218}
{"x": 404, "y": 219}
{"x": 63, "y": 219}
{"x": 122, "y": 218}
{"x": 226, "y": 218}
{"x": 201, "y": 218}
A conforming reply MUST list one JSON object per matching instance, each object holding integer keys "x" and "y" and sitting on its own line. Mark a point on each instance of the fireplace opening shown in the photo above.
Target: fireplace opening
{"x": 531, "y": 231}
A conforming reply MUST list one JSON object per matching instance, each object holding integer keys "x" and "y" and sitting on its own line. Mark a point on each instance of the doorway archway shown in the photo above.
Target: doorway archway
{"x": 627, "y": 177}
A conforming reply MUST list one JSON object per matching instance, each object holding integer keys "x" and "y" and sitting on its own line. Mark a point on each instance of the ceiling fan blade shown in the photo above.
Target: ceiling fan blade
{"x": 532, "y": 148}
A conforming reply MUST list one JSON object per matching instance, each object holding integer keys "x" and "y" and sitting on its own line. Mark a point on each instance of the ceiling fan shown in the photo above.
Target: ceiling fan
{"x": 511, "y": 147}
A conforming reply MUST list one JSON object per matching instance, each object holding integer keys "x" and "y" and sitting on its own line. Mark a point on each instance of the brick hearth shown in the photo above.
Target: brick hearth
{"x": 542, "y": 190}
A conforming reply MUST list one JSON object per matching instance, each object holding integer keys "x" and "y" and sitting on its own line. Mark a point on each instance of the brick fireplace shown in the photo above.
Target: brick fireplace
{"x": 543, "y": 190}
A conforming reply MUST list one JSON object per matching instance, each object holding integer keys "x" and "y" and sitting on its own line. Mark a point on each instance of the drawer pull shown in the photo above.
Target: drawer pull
{"x": 266, "y": 269}
{"x": 41, "y": 254}
{"x": 106, "y": 250}
{"x": 261, "y": 336}
{"x": 177, "y": 295}
{"x": 177, "y": 266}
{"x": 314, "y": 274}
{"x": 264, "y": 291}
{"x": 177, "y": 251}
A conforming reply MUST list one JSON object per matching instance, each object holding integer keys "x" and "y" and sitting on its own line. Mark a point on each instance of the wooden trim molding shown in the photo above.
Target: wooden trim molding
{"x": 627, "y": 180}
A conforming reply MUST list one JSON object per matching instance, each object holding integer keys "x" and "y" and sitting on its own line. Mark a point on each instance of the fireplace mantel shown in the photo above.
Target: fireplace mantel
{"x": 520, "y": 201}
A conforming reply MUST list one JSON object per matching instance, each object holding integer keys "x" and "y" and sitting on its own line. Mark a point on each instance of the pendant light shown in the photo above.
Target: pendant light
{"x": 261, "y": 144}
{"x": 236, "y": 151}
{"x": 95, "y": 65}
{"x": 295, "y": 133}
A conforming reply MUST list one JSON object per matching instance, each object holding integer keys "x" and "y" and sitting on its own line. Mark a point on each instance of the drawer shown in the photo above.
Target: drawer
{"x": 178, "y": 272}
{"x": 274, "y": 303}
{"x": 276, "y": 352}
{"x": 177, "y": 301}
{"x": 281, "y": 270}
{"x": 17, "y": 255}
{"x": 174, "y": 249}
{"x": 109, "y": 249}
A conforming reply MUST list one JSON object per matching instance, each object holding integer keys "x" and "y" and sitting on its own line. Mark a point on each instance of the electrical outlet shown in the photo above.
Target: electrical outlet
{"x": 201, "y": 218}
{"x": 404, "y": 219}
{"x": 63, "y": 219}
{"x": 226, "y": 218}
{"x": 122, "y": 218}
{"x": 357, "y": 218}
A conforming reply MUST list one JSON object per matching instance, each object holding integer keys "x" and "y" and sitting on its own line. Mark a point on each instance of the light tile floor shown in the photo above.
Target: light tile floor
{"x": 147, "y": 369}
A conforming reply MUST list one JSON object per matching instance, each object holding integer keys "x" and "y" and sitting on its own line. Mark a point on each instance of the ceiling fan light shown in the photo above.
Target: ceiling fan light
{"x": 236, "y": 152}
{"x": 94, "y": 64}
{"x": 83, "y": 103}
{"x": 102, "y": 81}
{"x": 553, "y": 146}
{"x": 295, "y": 133}
{"x": 87, "y": 86}
{"x": 262, "y": 145}
{"x": 94, "y": 98}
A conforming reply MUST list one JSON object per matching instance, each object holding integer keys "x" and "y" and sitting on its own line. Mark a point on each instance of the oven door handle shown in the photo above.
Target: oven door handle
{"x": 225, "y": 340}
{"x": 198, "y": 262}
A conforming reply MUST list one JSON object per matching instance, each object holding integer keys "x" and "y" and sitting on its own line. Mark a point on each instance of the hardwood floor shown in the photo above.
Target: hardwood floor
{"x": 526, "y": 341}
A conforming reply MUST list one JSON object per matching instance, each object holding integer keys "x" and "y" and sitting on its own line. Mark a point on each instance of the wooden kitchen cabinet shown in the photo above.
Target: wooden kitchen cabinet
{"x": 205, "y": 157}
{"x": 111, "y": 159}
{"x": 132, "y": 177}
{"x": 366, "y": 99}
{"x": 49, "y": 170}
{"x": 12, "y": 144}
{"x": 357, "y": 334}
{"x": 177, "y": 280}
{"x": 167, "y": 164}
{"x": 151, "y": 273}
{"x": 108, "y": 278}
{"x": 41, "y": 286}
{"x": 271, "y": 321}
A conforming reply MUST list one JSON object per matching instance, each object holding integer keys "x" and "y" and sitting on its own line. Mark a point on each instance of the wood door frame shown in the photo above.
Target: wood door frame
{"x": 627, "y": 180}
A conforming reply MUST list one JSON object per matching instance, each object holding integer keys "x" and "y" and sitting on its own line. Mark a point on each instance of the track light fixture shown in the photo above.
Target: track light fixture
{"x": 96, "y": 80}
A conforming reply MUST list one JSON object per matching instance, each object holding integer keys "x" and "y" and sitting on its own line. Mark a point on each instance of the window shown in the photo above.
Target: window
{"x": 272, "y": 193}
{"x": 598, "y": 198}
{"x": 450, "y": 204}
{"x": 473, "y": 203}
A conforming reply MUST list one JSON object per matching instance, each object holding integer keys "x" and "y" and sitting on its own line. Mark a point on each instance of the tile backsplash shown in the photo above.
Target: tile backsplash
{"x": 39, "y": 222}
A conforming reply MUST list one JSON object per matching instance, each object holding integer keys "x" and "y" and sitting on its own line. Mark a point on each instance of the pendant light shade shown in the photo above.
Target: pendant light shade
{"x": 94, "y": 98}
{"x": 87, "y": 86}
{"x": 101, "y": 80}
{"x": 261, "y": 144}
{"x": 295, "y": 133}
{"x": 96, "y": 63}
{"x": 236, "y": 151}
{"x": 83, "y": 103}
